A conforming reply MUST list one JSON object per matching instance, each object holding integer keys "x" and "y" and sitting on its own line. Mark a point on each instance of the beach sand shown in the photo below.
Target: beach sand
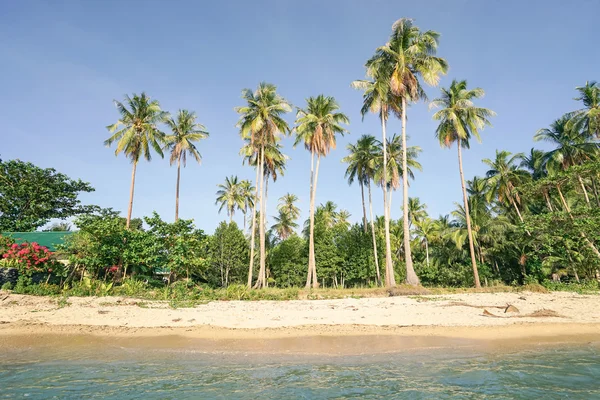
{"x": 344, "y": 326}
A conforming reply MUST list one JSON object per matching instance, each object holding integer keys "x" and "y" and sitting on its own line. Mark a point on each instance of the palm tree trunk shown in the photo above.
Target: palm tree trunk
{"x": 427, "y": 251}
{"x": 514, "y": 203}
{"x": 390, "y": 279}
{"x": 583, "y": 235}
{"x": 264, "y": 221}
{"x": 261, "y": 227}
{"x": 245, "y": 213}
{"x": 130, "y": 209}
{"x": 374, "y": 239}
{"x": 253, "y": 231}
{"x": 389, "y": 204}
{"x": 177, "y": 190}
{"x": 595, "y": 189}
{"x": 411, "y": 276}
{"x": 315, "y": 282}
{"x": 231, "y": 217}
{"x": 362, "y": 195}
{"x": 585, "y": 193}
{"x": 548, "y": 203}
{"x": 468, "y": 217}
{"x": 311, "y": 218}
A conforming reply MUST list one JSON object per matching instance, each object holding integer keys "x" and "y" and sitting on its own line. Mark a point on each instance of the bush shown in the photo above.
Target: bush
{"x": 31, "y": 258}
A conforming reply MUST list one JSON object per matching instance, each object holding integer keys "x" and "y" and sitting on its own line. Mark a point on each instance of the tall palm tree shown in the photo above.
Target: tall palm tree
{"x": 409, "y": 56}
{"x": 361, "y": 167}
{"x": 503, "y": 177}
{"x": 317, "y": 126}
{"x": 284, "y": 224}
{"x": 459, "y": 120}
{"x": 136, "y": 132}
{"x": 261, "y": 122}
{"x": 426, "y": 229}
{"x": 587, "y": 119}
{"x": 247, "y": 192}
{"x": 395, "y": 171}
{"x": 230, "y": 196}
{"x": 186, "y": 131}
{"x": 417, "y": 211}
{"x": 572, "y": 148}
{"x": 287, "y": 204}
{"x": 535, "y": 163}
{"x": 378, "y": 99}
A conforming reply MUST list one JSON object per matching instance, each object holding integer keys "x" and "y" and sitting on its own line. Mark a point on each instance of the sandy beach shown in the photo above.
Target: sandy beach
{"x": 315, "y": 326}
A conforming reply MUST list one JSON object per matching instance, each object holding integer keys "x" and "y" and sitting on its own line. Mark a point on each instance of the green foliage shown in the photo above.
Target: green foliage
{"x": 288, "y": 260}
{"x": 228, "y": 254}
{"x": 31, "y": 196}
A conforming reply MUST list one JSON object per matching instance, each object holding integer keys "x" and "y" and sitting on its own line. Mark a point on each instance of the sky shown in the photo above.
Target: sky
{"x": 62, "y": 63}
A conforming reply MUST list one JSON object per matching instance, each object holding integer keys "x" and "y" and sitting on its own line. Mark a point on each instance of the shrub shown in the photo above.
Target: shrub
{"x": 31, "y": 258}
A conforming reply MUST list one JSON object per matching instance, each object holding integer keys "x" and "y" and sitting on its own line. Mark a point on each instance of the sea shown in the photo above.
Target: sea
{"x": 538, "y": 372}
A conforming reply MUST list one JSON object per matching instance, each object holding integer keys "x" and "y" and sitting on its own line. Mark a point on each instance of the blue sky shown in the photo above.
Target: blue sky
{"x": 63, "y": 62}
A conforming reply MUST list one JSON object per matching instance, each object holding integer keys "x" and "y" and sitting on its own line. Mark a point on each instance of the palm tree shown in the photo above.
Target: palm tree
{"x": 261, "y": 122}
{"x": 317, "y": 126}
{"x": 395, "y": 172}
{"x": 247, "y": 192}
{"x": 587, "y": 119}
{"x": 136, "y": 132}
{"x": 459, "y": 120}
{"x": 535, "y": 163}
{"x": 504, "y": 177}
{"x": 287, "y": 204}
{"x": 229, "y": 195}
{"x": 361, "y": 166}
{"x": 284, "y": 224}
{"x": 417, "y": 211}
{"x": 426, "y": 229}
{"x": 408, "y": 57}
{"x": 186, "y": 131}
{"x": 572, "y": 148}
{"x": 378, "y": 99}
{"x": 342, "y": 218}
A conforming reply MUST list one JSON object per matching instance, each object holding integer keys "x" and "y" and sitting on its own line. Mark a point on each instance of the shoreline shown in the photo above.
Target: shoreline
{"x": 341, "y": 326}
{"x": 331, "y": 340}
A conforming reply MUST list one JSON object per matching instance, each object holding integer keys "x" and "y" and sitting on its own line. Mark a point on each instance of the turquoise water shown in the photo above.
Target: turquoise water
{"x": 549, "y": 373}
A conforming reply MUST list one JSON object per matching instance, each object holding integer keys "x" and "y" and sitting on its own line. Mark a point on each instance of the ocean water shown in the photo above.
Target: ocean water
{"x": 542, "y": 373}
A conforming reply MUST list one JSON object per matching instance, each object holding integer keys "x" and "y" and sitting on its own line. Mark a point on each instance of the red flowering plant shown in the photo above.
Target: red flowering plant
{"x": 30, "y": 258}
{"x": 5, "y": 244}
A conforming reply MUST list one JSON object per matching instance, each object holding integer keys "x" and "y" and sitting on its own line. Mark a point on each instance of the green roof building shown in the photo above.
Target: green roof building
{"x": 47, "y": 239}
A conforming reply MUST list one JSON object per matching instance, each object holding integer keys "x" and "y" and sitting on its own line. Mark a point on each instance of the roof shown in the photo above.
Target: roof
{"x": 47, "y": 239}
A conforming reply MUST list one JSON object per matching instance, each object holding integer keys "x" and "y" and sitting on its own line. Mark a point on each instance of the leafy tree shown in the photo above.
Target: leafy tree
{"x": 31, "y": 196}
{"x": 317, "y": 126}
{"x": 228, "y": 254}
{"x": 186, "y": 131}
{"x": 288, "y": 261}
{"x": 459, "y": 120}
{"x": 136, "y": 132}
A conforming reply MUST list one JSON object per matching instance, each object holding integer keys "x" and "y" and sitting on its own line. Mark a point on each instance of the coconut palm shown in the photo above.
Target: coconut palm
{"x": 186, "y": 131}
{"x": 378, "y": 99}
{"x": 408, "y": 57}
{"x": 229, "y": 196}
{"x": 395, "y": 172}
{"x": 459, "y": 120}
{"x": 587, "y": 119}
{"x": 417, "y": 211}
{"x": 361, "y": 167}
{"x": 261, "y": 122}
{"x": 572, "y": 148}
{"x": 287, "y": 204}
{"x": 427, "y": 230}
{"x": 503, "y": 177}
{"x": 284, "y": 225}
{"x": 247, "y": 192}
{"x": 136, "y": 132}
{"x": 342, "y": 218}
{"x": 317, "y": 126}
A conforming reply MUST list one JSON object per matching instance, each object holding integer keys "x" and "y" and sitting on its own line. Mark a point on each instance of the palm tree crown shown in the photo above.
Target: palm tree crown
{"x": 229, "y": 196}
{"x": 318, "y": 124}
{"x": 186, "y": 131}
{"x": 136, "y": 131}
